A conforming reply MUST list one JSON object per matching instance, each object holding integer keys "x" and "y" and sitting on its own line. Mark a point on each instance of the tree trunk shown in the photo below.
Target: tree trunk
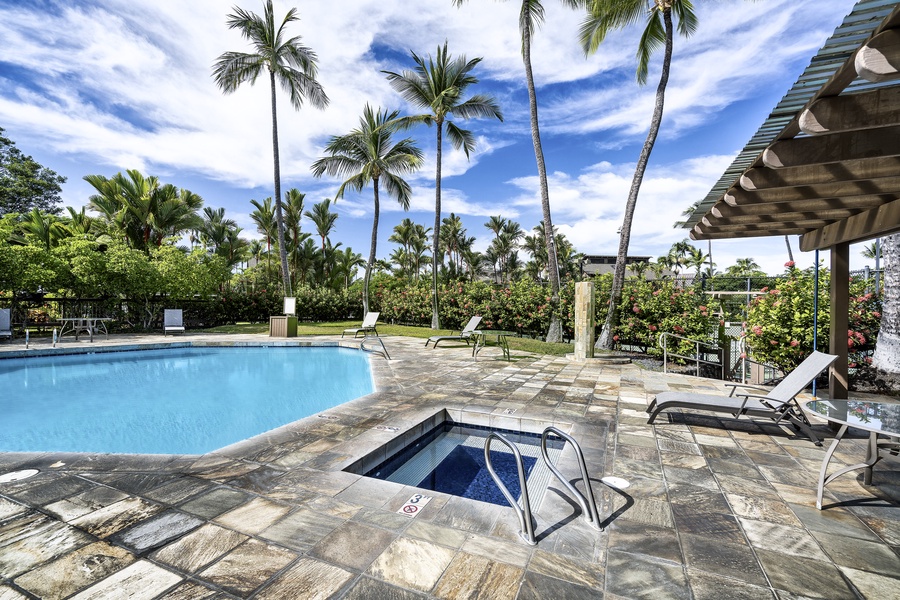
{"x": 554, "y": 333}
{"x": 887, "y": 349}
{"x": 279, "y": 217}
{"x": 787, "y": 241}
{"x": 435, "y": 317}
{"x": 606, "y": 334}
{"x": 371, "y": 251}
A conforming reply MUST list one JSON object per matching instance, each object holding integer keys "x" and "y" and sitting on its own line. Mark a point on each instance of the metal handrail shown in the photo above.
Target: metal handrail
{"x": 383, "y": 351}
{"x": 524, "y": 511}
{"x": 588, "y": 505}
{"x": 696, "y": 358}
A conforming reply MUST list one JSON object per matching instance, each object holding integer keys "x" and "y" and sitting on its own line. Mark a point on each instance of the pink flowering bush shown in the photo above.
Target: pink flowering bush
{"x": 649, "y": 308}
{"x": 780, "y": 322}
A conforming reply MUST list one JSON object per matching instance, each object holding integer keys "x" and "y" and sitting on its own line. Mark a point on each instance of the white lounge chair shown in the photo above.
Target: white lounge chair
{"x": 463, "y": 335}
{"x": 172, "y": 321}
{"x": 5, "y": 323}
{"x": 368, "y": 325}
{"x": 779, "y": 404}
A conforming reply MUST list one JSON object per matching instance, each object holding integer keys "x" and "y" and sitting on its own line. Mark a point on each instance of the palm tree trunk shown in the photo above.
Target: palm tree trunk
{"x": 435, "y": 317}
{"x": 371, "y": 251}
{"x": 606, "y": 334}
{"x": 787, "y": 241}
{"x": 554, "y": 333}
{"x": 279, "y": 217}
{"x": 887, "y": 349}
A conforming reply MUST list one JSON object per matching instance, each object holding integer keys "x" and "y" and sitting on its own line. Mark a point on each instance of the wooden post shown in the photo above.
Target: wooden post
{"x": 840, "y": 320}
{"x": 584, "y": 320}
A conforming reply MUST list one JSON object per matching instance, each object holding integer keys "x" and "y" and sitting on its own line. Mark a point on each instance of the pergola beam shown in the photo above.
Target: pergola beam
{"x": 833, "y": 147}
{"x": 868, "y": 110}
{"x": 879, "y": 58}
{"x": 722, "y": 210}
{"x": 864, "y": 226}
{"x": 736, "y": 197}
{"x": 761, "y": 178}
{"x": 700, "y": 232}
{"x": 825, "y": 216}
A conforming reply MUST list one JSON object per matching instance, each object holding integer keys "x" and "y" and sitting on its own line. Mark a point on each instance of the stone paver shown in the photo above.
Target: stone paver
{"x": 717, "y": 507}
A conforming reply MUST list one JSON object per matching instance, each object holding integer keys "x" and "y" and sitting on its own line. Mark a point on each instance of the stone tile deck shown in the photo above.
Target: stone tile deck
{"x": 717, "y": 507}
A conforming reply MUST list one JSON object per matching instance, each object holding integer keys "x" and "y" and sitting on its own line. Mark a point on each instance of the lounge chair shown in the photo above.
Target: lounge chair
{"x": 779, "y": 404}
{"x": 464, "y": 335}
{"x": 5, "y": 323}
{"x": 290, "y": 306}
{"x": 172, "y": 321}
{"x": 368, "y": 325}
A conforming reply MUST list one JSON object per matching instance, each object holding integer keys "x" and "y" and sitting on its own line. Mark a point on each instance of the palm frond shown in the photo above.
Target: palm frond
{"x": 653, "y": 37}
{"x": 460, "y": 138}
{"x": 687, "y": 19}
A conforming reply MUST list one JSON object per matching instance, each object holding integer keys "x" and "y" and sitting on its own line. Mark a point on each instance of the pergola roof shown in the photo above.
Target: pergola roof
{"x": 825, "y": 165}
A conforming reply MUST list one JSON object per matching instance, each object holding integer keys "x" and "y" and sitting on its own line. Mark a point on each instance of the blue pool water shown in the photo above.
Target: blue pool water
{"x": 450, "y": 459}
{"x": 174, "y": 401}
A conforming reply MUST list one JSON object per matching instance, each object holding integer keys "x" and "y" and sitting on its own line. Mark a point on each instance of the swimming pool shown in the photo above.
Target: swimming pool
{"x": 171, "y": 401}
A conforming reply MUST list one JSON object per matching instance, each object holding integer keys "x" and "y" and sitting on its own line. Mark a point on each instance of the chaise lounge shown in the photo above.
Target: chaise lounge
{"x": 779, "y": 404}
{"x": 368, "y": 325}
{"x": 172, "y": 321}
{"x": 5, "y": 323}
{"x": 463, "y": 335}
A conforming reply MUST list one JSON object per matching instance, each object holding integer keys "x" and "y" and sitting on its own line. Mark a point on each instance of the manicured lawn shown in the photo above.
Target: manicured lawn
{"x": 335, "y": 328}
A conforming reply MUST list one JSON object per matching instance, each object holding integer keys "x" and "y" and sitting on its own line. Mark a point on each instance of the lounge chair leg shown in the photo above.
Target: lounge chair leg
{"x": 653, "y": 416}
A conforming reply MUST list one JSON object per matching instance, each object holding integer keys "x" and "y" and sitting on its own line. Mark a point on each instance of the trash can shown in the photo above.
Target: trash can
{"x": 285, "y": 326}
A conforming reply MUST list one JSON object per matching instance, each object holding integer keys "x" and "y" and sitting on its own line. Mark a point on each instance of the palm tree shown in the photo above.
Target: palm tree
{"x": 346, "y": 263}
{"x": 289, "y": 62}
{"x": 530, "y": 17}
{"x": 323, "y": 219}
{"x": 439, "y": 86}
{"x": 264, "y": 217}
{"x": 369, "y": 154}
{"x": 603, "y": 17}
{"x": 45, "y": 227}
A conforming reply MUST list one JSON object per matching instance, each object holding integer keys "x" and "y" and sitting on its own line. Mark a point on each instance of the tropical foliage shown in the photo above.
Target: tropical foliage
{"x": 24, "y": 183}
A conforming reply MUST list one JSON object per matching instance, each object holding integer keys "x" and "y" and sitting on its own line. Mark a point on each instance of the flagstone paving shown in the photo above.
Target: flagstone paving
{"x": 717, "y": 507}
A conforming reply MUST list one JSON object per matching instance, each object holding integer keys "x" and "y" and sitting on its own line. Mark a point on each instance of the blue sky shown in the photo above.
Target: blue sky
{"x": 103, "y": 86}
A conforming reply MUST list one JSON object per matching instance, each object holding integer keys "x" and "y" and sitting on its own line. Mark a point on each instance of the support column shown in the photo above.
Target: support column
{"x": 585, "y": 319}
{"x": 838, "y": 384}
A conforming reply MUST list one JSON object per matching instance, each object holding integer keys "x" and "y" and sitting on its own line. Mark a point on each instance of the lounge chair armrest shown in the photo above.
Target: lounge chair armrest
{"x": 734, "y": 387}
{"x": 762, "y": 398}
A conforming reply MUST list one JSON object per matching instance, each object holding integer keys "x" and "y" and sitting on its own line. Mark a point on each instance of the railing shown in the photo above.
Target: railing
{"x": 382, "y": 351}
{"x": 588, "y": 505}
{"x": 522, "y": 512}
{"x": 586, "y": 500}
{"x": 696, "y": 357}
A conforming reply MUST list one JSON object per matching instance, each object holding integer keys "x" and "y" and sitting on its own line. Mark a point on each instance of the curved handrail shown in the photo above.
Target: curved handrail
{"x": 524, "y": 511}
{"x": 383, "y": 351}
{"x": 588, "y": 505}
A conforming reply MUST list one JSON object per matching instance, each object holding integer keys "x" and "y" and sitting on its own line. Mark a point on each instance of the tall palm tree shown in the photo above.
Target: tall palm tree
{"x": 603, "y": 17}
{"x": 531, "y": 16}
{"x": 289, "y": 62}
{"x": 369, "y": 154}
{"x": 439, "y": 86}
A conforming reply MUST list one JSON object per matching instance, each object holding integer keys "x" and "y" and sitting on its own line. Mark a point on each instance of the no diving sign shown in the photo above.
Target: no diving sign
{"x": 414, "y": 505}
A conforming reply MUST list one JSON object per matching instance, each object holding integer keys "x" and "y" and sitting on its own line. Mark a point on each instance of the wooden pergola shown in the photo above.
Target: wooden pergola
{"x": 826, "y": 163}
